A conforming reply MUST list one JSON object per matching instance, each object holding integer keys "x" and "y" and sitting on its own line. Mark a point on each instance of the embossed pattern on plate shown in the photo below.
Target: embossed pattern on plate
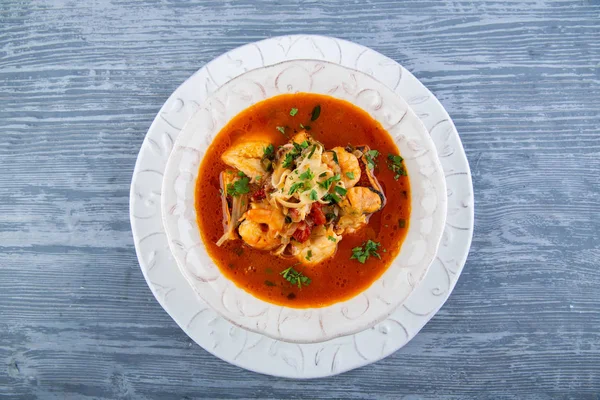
{"x": 253, "y": 351}
{"x": 428, "y": 202}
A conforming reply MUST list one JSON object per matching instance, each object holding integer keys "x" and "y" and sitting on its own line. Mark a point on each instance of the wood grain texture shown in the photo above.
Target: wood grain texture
{"x": 80, "y": 83}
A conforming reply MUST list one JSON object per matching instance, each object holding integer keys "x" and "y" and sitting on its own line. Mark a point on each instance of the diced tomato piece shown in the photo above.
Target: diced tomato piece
{"x": 259, "y": 194}
{"x": 317, "y": 214}
{"x": 302, "y": 233}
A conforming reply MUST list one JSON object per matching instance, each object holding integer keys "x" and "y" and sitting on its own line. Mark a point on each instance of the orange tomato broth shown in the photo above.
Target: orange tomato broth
{"x": 339, "y": 278}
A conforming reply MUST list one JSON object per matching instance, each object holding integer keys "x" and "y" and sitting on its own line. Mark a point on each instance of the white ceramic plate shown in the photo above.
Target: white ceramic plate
{"x": 257, "y": 352}
{"x": 427, "y": 193}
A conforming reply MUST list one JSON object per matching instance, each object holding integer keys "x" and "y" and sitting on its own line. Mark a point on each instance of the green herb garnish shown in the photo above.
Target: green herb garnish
{"x": 269, "y": 283}
{"x": 402, "y": 223}
{"x": 269, "y": 151}
{"x": 295, "y": 187}
{"x": 370, "y": 249}
{"x": 293, "y": 112}
{"x": 312, "y": 151}
{"x": 332, "y": 238}
{"x": 294, "y": 277}
{"x": 238, "y": 187}
{"x": 341, "y": 191}
{"x": 308, "y": 255}
{"x": 394, "y": 164}
{"x": 371, "y": 157}
{"x": 307, "y": 175}
{"x": 315, "y": 113}
{"x": 350, "y": 175}
{"x": 335, "y": 158}
{"x": 304, "y": 144}
{"x": 280, "y": 129}
{"x": 331, "y": 197}
{"x": 306, "y": 127}
{"x": 329, "y": 181}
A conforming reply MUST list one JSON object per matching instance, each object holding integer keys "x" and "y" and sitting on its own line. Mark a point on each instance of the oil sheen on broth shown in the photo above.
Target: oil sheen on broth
{"x": 322, "y": 195}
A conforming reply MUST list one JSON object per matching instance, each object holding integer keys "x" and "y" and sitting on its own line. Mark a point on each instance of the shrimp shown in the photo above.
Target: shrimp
{"x": 354, "y": 208}
{"x": 261, "y": 227}
{"x": 247, "y": 157}
{"x": 321, "y": 245}
{"x": 347, "y": 165}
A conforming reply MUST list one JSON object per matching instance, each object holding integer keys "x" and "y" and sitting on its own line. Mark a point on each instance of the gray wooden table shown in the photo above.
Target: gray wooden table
{"x": 81, "y": 81}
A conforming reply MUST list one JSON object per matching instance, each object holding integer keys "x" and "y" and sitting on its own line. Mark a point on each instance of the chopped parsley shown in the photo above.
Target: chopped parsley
{"x": 293, "y": 112}
{"x": 371, "y": 157}
{"x": 368, "y": 249}
{"x": 295, "y": 187}
{"x": 238, "y": 187}
{"x": 295, "y": 277}
{"x": 269, "y": 283}
{"x": 394, "y": 163}
{"x": 350, "y": 175}
{"x": 331, "y": 197}
{"x": 315, "y": 113}
{"x": 312, "y": 151}
{"x": 335, "y": 158}
{"x": 240, "y": 173}
{"x": 306, "y": 127}
{"x": 313, "y": 195}
{"x": 304, "y": 144}
{"x": 402, "y": 223}
{"x": 330, "y": 216}
{"x": 308, "y": 255}
{"x": 269, "y": 151}
{"x": 341, "y": 191}
{"x": 307, "y": 175}
{"x": 289, "y": 158}
{"x": 258, "y": 177}
{"x": 331, "y": 238}
{"x": 280, "y": 129}
{"x": 326, "y": 184}
{"x": 297, "y": 147}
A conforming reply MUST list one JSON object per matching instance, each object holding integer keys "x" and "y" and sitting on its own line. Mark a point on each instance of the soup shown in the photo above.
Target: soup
{"x": 303, "y": 200}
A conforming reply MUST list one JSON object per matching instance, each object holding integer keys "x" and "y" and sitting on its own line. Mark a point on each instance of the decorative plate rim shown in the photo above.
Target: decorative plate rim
{"x": 384, "y": 295}
{"x": 260, "y": 354}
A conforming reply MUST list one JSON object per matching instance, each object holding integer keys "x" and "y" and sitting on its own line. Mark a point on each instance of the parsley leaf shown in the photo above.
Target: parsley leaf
{"x": 304, "y": 144}
{"x": 294, "y": 277}
{"x": 269, "y": 151}
{"x": 331, "y": 238}
{"x": 350, "y": 175}
{"x": 371, "y": 157}
{"x": 307, "y": 175}
{"x": 313, "y": 195}
{"x": 288, "y": 160}
{"x": 315, "y": 113}
{"x": 341, "y": 191}
{"x": 394, "y": 164}
{"x": 238, "y": 187}
{"x": 312, "y": 151}
{"x": 308, "y": 255}
{"x": 305, "y": 127}
{"x": 293, "y": 111}
{"x": 294, "y": 188}
{"x": 335, "y": 158}
{"x": 280, "y": 129}
{"x": 370, "y": 249}
{"x": 329, "y": 181}
{"x": 331, "y": 197}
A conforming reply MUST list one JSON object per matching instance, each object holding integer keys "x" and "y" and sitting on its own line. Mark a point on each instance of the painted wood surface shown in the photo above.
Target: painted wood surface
{"x": 80, "y": 83}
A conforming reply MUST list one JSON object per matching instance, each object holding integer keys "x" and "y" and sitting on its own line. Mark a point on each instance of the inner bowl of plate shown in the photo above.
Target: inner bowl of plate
{"x": 428, "y": 200}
